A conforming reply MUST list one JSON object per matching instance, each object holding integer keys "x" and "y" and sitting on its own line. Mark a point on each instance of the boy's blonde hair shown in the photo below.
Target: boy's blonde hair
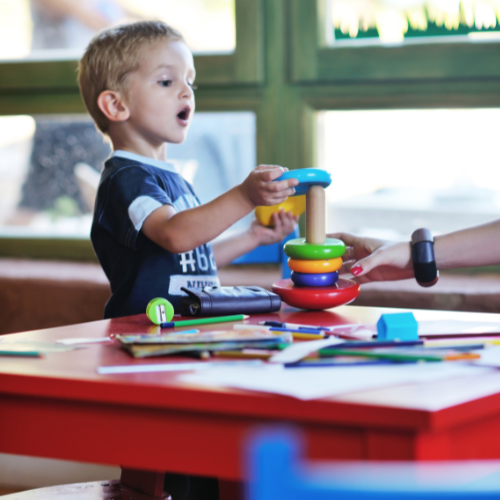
{"x": 111, "y": 56}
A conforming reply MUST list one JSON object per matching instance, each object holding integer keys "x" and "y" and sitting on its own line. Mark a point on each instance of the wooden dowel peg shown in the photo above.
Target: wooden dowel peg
{"x": 315, "y": 215}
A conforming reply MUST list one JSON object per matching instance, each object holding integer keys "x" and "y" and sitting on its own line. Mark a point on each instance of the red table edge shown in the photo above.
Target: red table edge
{"x": 243, "y": 403}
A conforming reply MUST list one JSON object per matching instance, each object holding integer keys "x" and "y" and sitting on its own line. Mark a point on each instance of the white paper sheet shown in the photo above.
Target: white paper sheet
{"x": 174, "y": 367}
{"x": 313, "y": 383}
{"x": 82, "y": 341}
{"x": 300, "y": 350}
{"x": 456, "y": 327}
{"x": 162, "y": 367}
{"x": 425, "y": 328}
{"x": 490, "y": 356}
{"x": 28, "y": 345}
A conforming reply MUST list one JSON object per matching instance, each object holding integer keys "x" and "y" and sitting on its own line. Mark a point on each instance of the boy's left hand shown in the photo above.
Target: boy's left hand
{"x": 284, "y": 224}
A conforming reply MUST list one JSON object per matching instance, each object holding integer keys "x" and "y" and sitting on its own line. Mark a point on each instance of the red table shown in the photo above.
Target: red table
{"x": 59, "y": 407}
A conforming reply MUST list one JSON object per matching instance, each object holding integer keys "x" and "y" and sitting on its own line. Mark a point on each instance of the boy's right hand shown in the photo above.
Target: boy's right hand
{"x": 259, "y": 189}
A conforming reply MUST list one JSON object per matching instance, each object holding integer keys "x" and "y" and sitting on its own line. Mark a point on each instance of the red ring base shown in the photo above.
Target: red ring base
{"x": 325, "y": 297}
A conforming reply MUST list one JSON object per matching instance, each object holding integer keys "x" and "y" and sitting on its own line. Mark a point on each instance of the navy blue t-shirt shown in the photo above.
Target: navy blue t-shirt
{"x": 131, "y": 188}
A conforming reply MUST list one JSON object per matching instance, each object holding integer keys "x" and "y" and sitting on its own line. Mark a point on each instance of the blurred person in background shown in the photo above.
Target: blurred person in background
{"x": 64, "y": 27}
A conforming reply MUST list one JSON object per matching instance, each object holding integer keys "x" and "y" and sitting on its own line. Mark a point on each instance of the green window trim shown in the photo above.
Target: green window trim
{"x": 403, "y": 95}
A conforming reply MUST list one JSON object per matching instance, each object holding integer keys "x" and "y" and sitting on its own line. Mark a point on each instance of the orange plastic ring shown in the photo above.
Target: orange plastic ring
{"x": 315, "y": 266}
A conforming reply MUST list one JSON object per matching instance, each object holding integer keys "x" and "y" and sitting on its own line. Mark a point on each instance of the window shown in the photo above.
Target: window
{"x": 397, "y": 170}
{"x": 396, "y": 21}
{"x": 219, "y": 153}
{"x": 38, "y": 71}
{"x": 50, "y": 167}
{"x": 48, "y": 29}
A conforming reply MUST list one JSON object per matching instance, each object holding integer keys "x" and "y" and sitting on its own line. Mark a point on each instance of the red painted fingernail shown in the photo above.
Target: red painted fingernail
{"x": 355, "y": 270}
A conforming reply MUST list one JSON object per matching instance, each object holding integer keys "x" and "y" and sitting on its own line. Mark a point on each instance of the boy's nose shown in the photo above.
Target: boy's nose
{"x": 187, "y": 90}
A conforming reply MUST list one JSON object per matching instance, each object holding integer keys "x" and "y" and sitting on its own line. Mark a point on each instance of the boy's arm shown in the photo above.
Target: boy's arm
{"x": 225, "y": 251}
{"x": 180, "y": 232}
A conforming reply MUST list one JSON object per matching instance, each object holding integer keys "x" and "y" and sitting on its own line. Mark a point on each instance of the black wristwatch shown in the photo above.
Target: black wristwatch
{"x": 422, "y": 254}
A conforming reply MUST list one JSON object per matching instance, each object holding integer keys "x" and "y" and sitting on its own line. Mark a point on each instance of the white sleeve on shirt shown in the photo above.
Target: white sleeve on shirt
{"x": 140, "y": 208}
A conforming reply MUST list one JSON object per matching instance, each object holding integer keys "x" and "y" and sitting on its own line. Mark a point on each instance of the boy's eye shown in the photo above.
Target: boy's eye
{"x": 193, "y": 86}
{"x": 165, "y": 83}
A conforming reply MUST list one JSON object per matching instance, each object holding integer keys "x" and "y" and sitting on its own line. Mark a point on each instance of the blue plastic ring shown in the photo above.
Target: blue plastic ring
{"x": 307, "y": 177}
{"x": 314, "y": 280}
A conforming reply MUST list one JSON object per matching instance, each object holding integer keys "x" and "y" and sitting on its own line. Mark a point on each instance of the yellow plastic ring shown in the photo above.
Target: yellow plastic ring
{"x": 295, "y": 204}
{"x": 315, "y": 266}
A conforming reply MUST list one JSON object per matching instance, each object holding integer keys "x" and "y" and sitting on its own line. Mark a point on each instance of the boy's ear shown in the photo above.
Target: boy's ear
{"x": 113, "y": 106}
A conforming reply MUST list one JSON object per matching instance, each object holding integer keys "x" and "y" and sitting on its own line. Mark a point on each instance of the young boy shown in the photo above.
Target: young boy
{"x": 150, "y": 232}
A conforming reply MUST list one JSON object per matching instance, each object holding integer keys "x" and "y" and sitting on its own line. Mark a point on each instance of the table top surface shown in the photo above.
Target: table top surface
{"x": 72, "y": 375}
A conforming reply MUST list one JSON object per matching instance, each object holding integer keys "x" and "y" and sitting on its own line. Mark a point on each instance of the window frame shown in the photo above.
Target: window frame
{"x": 313, "y": 61}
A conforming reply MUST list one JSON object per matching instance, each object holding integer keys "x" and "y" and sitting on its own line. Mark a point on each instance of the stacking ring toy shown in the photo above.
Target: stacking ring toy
{"x": 315, "y": 260}
{"x": 343, "y": 292}
{"x": 307, "y": 177}
{"x": 315, "y": 266}
{"x": 160, "y": 311}
{"x": 325, "y": 279}
{"x": 299, "y": 248}
{"x": 296, "y": 205}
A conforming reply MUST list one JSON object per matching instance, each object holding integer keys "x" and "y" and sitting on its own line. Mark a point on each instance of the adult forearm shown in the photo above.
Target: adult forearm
{"x": 475, "y": 246}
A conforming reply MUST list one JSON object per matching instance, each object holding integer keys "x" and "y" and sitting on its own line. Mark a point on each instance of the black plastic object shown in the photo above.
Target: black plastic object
{"x": 424, "y": 262}
{"x": 227, "y": 300}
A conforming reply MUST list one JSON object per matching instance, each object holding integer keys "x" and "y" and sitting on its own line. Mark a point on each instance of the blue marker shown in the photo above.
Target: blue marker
{"x": 295, "y": 330}
{"x": 293, "y": 326}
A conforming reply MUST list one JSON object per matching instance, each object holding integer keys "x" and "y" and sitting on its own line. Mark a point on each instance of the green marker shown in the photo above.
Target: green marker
{"x": 204, "y": 321}
{"x": 14, "y": 352}
{"x": 416, "y": 355}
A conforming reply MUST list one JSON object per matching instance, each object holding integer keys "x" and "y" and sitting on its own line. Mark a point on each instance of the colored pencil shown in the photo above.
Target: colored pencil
{"x": 28, "y": 354}
{"x": 242, "y": 354}
{"x": 294, "y": 326}
{"x": 328, "y": 363}
{"x": 204, "y": 321}
{"x": 395, "y": 356}
{"x": 306, "y": 336}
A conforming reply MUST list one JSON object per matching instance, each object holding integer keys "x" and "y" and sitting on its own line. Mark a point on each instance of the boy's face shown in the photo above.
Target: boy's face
{"x": 160, "y": 96}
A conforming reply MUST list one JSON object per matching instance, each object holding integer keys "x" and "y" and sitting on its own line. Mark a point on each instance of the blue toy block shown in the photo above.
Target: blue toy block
{"x": 270, "y": 254}
{"x": 277, "y": 470}
{"x": 398, "y": 326}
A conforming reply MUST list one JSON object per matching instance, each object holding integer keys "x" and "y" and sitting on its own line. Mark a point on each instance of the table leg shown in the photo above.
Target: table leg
{"x": 148, "y": 482}
{"x": 230, "y": 490}
{"x": 151, "y": 483}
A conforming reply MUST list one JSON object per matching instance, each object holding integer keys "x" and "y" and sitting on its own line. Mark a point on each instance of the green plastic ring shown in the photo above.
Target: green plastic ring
{"x": 160, "y": 311}
{"x": 300, "y": 249}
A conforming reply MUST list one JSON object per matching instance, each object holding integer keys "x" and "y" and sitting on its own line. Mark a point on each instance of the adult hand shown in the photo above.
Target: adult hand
{"x": 259, "y": 187}
{"x": 284, "y": 223}
{"x": 370, "y": 259}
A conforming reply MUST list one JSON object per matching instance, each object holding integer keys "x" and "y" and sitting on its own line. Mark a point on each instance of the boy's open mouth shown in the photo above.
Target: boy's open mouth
{"x": 184, "y": 114}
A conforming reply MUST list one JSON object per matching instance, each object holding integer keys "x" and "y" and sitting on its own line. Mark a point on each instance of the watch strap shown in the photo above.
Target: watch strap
{"x": 424, "y": 262}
